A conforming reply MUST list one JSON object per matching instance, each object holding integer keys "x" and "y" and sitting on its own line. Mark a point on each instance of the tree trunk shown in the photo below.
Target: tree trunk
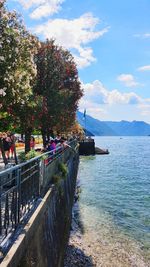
{"x": 21, "y": 136}
{"x": 3, "y": 152}
{"x": 44, "y": 137}
{"x": 48, "y": 137}
{"x": 15, "y": 154}
{"x": 27, "y": 140}
{"x": 51, "y": 133}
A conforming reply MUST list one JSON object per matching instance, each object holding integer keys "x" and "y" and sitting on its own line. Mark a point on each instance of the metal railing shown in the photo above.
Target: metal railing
{"x": 20, "y": 188}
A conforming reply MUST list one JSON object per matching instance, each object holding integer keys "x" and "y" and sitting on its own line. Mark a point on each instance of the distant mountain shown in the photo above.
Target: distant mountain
{"x": 134, "y": 128}
{"x": 122, "y": 128}
{"x": 88, "y": 133}
{"x": 94, "y": 126}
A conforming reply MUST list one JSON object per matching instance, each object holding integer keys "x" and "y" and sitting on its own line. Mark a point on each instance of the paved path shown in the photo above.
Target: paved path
{"x": 2, "y": 166}
{"x": 11, "y": 161}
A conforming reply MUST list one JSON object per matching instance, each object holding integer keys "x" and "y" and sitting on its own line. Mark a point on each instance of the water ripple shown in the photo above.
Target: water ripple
{"x": 116, "y": 187}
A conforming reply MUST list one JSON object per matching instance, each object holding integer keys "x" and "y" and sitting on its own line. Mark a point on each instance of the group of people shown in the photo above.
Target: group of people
{"x": 52, "y": 144}
{"x": 8, "y": 142}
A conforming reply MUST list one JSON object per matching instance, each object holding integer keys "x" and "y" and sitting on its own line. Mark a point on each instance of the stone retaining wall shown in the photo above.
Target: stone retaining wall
{"x": 43, "y": 240}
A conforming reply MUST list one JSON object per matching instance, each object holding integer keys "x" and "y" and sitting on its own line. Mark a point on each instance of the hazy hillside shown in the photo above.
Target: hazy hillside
{"x": 97, "y": 127}
{"x": 137, "y": 128}
{"x": 94, "y": 126}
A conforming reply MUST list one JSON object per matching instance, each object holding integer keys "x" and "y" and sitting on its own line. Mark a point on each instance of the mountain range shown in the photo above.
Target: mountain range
{"x": 113, "y": 128}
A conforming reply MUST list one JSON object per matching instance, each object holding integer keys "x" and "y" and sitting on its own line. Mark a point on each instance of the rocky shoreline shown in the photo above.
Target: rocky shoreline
{"x": 85, "y": 249}
{"x": 78, "y": 253}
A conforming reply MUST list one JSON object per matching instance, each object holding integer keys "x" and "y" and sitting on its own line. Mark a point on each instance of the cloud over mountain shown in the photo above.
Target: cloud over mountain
{"x": 99, "y": 101}
{"x": 99, "y": 94}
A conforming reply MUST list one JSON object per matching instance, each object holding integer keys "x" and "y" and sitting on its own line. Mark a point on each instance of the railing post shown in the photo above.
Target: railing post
{"x": 0, "y": 207}
{"x": 18, "y": 193}
{"x": 38, "y": 178}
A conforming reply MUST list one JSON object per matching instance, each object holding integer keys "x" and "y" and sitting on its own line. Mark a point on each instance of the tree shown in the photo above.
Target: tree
{"x": 39, "y": 85}
{"x": 17, "y": 70}
{"x": 59, "y": 86}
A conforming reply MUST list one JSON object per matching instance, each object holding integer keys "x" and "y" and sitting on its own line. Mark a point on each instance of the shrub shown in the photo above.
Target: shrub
{"x": 56, "y": 179}
{"x": 63, "y": 169}
{"x": 22, "y": 156}
{"x": 31, "y": 154}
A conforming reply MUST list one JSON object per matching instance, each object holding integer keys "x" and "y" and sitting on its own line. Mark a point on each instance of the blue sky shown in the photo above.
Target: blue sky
{"x": 110, "y": 41}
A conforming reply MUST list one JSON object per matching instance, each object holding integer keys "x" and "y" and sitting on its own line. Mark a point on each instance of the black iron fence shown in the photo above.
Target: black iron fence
{"x": 20, "y": 188}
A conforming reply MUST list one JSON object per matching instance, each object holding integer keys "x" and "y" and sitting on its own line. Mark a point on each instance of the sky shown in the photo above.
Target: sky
{"x": 110, "y": 42}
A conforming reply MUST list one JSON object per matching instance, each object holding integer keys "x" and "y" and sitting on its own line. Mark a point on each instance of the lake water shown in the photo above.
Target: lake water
{"x": 115, "y": 199}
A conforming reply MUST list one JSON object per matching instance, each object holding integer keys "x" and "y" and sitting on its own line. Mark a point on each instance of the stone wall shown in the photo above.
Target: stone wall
{"x": 43, "y": 240}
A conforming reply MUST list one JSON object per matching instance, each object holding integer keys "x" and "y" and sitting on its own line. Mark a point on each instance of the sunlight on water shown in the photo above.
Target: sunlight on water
{"x": 115, "y": 198}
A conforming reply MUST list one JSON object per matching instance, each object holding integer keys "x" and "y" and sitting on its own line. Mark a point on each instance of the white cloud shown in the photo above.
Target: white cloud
{"x": 42, "y": 8}
{"x": 112, "y": 105}
{"x": 29, "y": 3}
{"x": 74, "y": 34}
{"x": 97, "y": 93}
{"x": 128, "y": 80}
{"x": 144, "y": 68}
{"x": 143, "y": 36}
{"x": 93, "y": 109}
{"x": 145, "y": 108}
{"x": 85, "y": 57}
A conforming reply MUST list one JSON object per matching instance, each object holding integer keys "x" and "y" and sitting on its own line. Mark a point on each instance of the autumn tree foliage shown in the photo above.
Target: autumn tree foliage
{"x": 77, "y": 129}
{"x": 59, "y": 86}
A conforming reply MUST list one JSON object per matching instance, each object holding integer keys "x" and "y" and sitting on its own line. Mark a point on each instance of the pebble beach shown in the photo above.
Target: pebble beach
{"x": 86, "y": 249}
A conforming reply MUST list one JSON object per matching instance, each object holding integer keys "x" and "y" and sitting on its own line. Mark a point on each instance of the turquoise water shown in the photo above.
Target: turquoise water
{"x": 115, "y": 195}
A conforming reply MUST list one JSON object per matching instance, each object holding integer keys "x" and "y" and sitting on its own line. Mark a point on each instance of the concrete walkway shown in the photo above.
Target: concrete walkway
{"x": 11, "y": 161}
{"x": 2, "y": 165}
